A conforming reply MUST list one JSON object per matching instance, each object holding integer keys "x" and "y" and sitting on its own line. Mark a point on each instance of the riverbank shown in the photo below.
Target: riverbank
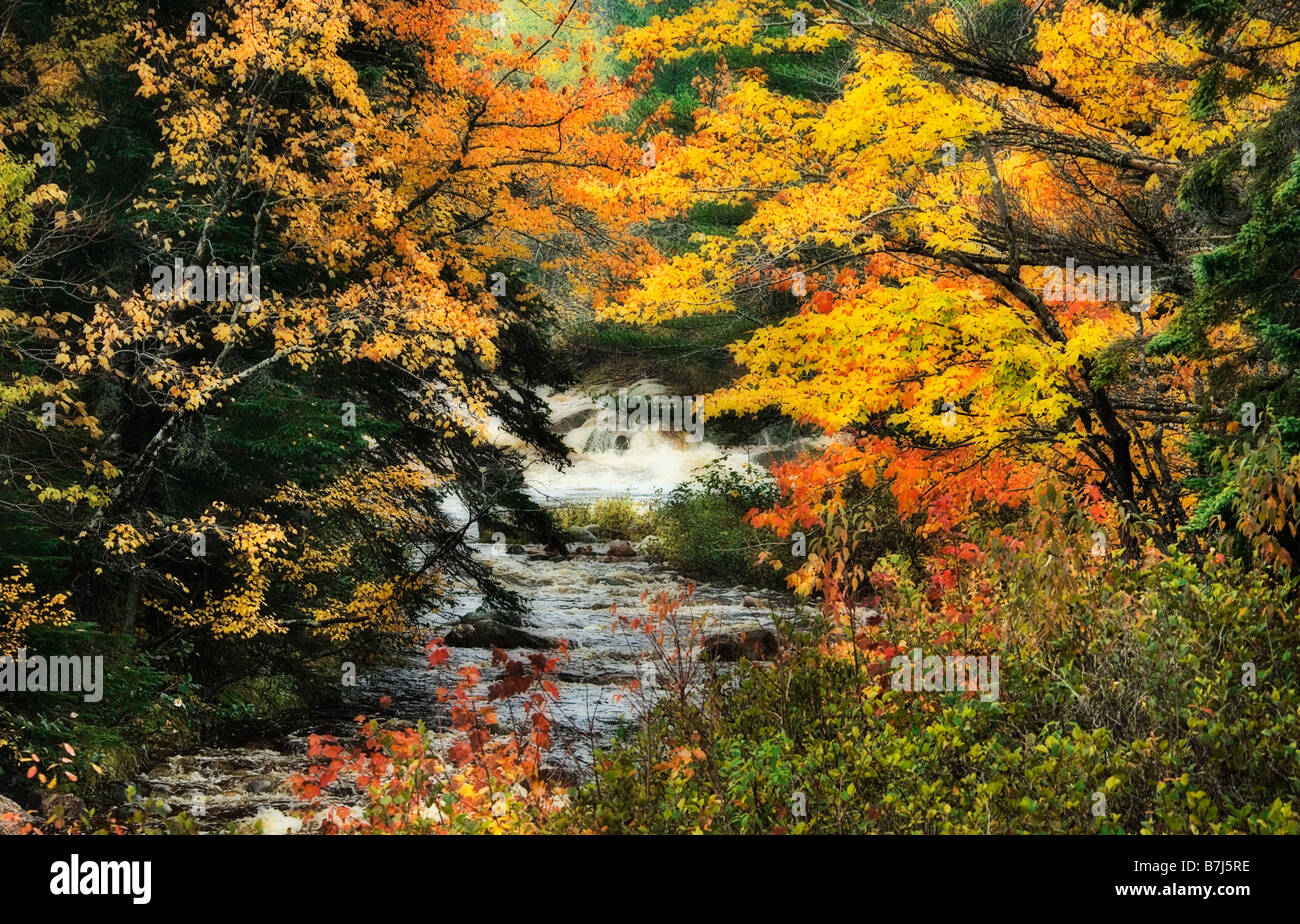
{"x": 243, "y": 786}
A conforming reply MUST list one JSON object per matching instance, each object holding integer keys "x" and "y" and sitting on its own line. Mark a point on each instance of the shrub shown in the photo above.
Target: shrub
{"x": 472, "y": 781}
{"x": 142, "y": 709}
{"x": 702, "y": 529}
{"x": 1126, "y": 705}
{"x": 614, "y": 518}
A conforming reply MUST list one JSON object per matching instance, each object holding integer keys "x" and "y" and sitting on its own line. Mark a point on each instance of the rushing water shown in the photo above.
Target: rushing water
{"x": 569, "y": 599}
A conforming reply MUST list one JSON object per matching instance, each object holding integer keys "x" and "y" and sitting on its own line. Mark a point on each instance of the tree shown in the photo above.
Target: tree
{"x": 930, "y": 217}
{"x": 270, "y": 340}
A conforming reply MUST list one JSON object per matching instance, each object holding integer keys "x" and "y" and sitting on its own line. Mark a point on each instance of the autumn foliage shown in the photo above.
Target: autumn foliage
{"x": 395, "y": 171}
{"x": 916, "y": 217}
{"x": 1020, "y": 277}
{"x": 466, "y": 781}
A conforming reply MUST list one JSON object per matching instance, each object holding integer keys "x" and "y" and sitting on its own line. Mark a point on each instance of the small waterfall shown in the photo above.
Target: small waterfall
{"x": 243, "y": 783}
{"x": 637, "y": 462}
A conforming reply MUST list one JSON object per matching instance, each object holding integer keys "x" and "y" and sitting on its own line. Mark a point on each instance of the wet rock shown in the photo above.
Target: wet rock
{"x": 62, "y": 804}
{"x": 118, "y": 791}
{"x": 582, "y": 550}
{"x": 272, "y": 821}
{"x": 514, "y": 550}
{"x": 758, "y": 644}
{"x": 12, "y": 816}
{"x": 260, "y": 786}
{"x": 541, "y": 556}
{"x": 752, "y": 603}
{"x": 598, "y": 677}
{"x": 559, "y": 551}
{"x": 621, "y": 548}
{"x": 397, "y": 724}
{"x": 582, "y": 535}
{"x": 494, "y": 635}
{"x": 570, "y": 422}
{"x": 492, "y": 614}
{"x": 594, "y": 529}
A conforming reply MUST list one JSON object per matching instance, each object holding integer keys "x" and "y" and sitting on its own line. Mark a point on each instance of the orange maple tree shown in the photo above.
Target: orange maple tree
{"x": 920, "y": 222}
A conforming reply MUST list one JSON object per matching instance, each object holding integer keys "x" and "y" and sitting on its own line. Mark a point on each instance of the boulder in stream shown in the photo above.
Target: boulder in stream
{"x": 494, "y": 635}
{"x": 493, "y": 614}
{"x": 621, "y": 548}
{"x": 571, "y": 422}
{"x": 757, "y": 644}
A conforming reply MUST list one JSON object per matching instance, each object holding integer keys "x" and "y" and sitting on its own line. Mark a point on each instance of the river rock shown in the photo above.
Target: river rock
{"x": 751, "y": 603}
{"x": 785, "y": 452}
{"x": 126, "y": 811}
{"x": 12, "y": 816}
{"x": 559, "y": 551}
{"x": 514, "y": 550}
{"x": 119, "y": 791}
{"x": 598, "y": 676}
{"x": 494, "y": 635}
{"x": 570, "y": 422}
{"x": 552, "y": 550}
{"x": 396, "y": 724}
{"x": 621, "y": 548}
{"x": 757, "y": 644}
{"x": 260, "y": 786}
{"x": 491, "y": 614}
{"x": 583, "y": 534}
{"x": 63, "y": 804}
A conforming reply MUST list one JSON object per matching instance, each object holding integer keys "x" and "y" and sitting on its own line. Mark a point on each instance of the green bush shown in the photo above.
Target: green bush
{"x": 1117, "y": 680}
{"x": 613, "y": 517}
{"x": 702, "y": 530}
{"x": 143, "y": 710}
{"x": 264, "y": 695}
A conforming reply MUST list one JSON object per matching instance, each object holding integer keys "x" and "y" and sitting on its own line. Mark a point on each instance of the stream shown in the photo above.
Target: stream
{"x": 244, "y": 782}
